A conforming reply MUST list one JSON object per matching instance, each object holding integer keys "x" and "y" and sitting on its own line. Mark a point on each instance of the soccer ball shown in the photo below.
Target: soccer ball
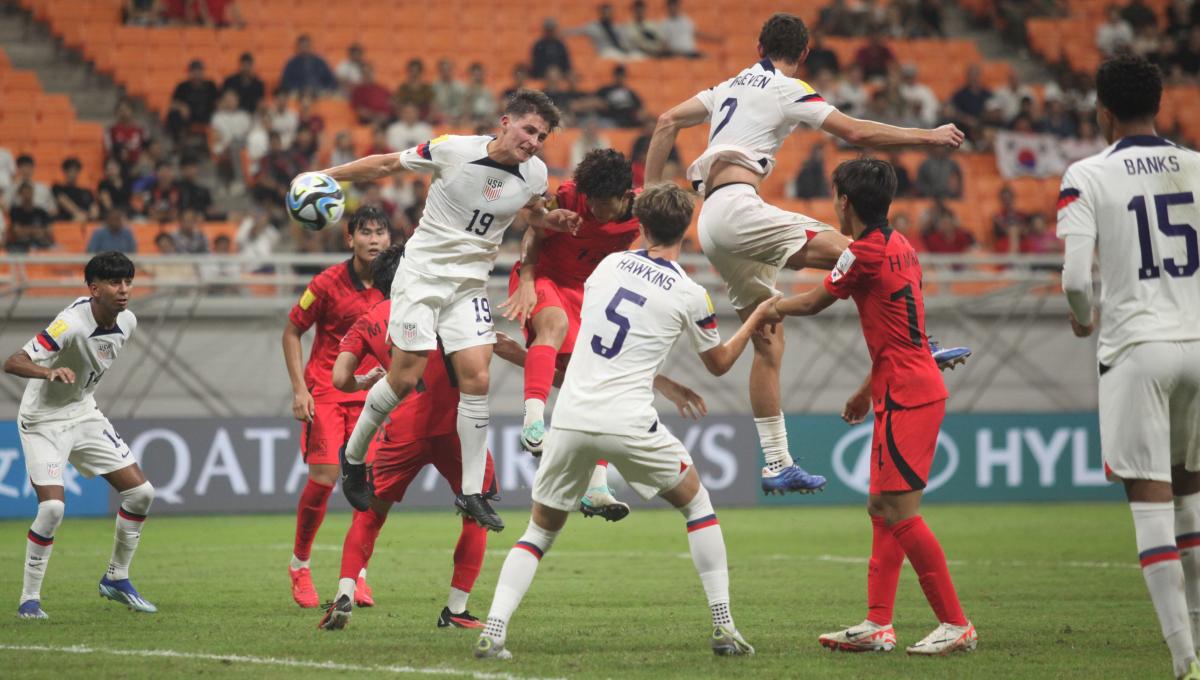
{"x": 315, "y": 201}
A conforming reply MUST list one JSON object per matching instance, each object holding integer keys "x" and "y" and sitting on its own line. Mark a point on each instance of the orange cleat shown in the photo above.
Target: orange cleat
{"x": 303, "y": 591}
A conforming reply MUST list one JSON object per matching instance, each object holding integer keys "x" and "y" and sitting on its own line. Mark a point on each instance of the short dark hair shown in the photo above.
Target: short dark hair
{"x": 24, "y": 159}
{"x": 1130, "y": 86}
{"x": 525, "y": 101}
{"x": 246, "y": 58}
{"x": 383, "y": 268}
{"x": 604, "y": 173}
{"x": 365, "y": 214}
{"x": 665, "y": 211}
{"x": 870, "y": 186}
{"x": 784, "y": 36}
{"x": 71, "y": 163}
{"x": 108, "y": 266}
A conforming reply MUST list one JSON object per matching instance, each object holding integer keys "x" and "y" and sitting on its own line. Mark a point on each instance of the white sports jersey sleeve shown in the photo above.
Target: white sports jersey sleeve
{"x": 1076, "y": 216}
{"x": 802, "y": 105}
{"x": 701, "y": 320}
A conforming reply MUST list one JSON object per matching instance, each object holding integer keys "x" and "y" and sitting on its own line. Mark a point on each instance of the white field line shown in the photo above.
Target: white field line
{"x": 264, "y": 661}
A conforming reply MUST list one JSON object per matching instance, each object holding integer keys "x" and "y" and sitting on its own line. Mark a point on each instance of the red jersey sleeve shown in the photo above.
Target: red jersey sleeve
{"x": 851, "y": 273}
{"x": 355, "y": 340}
{"x": 308, "y": 308}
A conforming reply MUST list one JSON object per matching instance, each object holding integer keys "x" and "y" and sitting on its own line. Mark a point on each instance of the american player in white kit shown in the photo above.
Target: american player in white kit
{"x": 1135, "y": 203}
{"x": 479, "y": 185}
{"x": 635, "y": 306}
{"x": 59, "y": 423}
{"x": 746, "y": 239}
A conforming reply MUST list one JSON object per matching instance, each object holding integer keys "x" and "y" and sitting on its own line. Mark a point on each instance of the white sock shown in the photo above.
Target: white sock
{"x": 381, "y": 399}
{"x": 535, "y": 410}
{"x": 1154, "y": 526}
{"x": 472, "y": 433}
{"x": 135, "y": 503}
{"x": 298, "y": 563}
{"x": 39, "y": 543}
{"x": 515, "y": 576}
{"x": 599, "y": 478}
{"x": 1187, "y": 538}
{"x": 345, "y": 587}
{"x": 772, "y": 435}
{"x": 707, "y": 545}
{"x": 457, "y": 602}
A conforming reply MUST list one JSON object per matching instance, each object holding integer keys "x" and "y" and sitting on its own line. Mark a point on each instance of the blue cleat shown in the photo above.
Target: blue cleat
{"x": 948, "y": 357}
{"x": 791, "y": 479}
{"x": 123, "y": 591}
{"x": 31, "y": 609}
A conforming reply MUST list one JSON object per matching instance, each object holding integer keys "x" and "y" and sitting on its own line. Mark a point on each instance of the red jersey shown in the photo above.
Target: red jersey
{"x": 125, "y": 141}
{"x": 568, "y": 259}
{"x": 333, "y": 301}
{"x": 881, "y": 272}
{"x": 431, "y": 410}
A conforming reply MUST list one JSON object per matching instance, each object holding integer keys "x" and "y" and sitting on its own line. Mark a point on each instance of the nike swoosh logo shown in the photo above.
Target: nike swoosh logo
{"x": 382, "y": 413}
{"x": 480, "y": 427}
{"x": 852, "y": 635}
{"x": 483, "y": 332}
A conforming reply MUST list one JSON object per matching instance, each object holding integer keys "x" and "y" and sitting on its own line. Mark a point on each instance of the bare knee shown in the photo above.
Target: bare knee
{"x": 474, "y": 381}
{"x": 1184, "y": 482}
{"x": 548, "y": 518}
{"x": 550, "y": 327}
{"x": 325, "y": 475}
{"x": 821, "y": 252}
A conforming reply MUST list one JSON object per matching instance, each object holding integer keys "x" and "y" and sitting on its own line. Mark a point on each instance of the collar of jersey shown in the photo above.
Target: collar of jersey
{"x": 657, "y": 260}
{"x": 1140, "y": 140}
{"x": 488, "y": 162}
{"x": 767, "y": 65}
{"x": 354, "y": 280}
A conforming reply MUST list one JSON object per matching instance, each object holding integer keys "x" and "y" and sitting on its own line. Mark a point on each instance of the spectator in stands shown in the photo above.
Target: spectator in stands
{"x": 125, "y": 139}
{"x": 414, "y": 90}
{"x": 1009, "y": 224}
{"x": 372, "y": 103}
{"x": 221, "y": 270}
{"x": 218, "y": 13}
{"x": 902, "y": 223}
{"x": 275, "y": 171}
{"x": 8, "y": 167}
{"x": 114, "y": 235}
{"x": 308, "y": 117}
{"x": 970, "y": 102}
{"x": 192, "y": 104}
{"x": 641, "y": 146}
{"x": 379, "y": 143}
{"x": 409, "y": 130}
{"x": 145, "y": 173}
{"x": 284, "y": 120}
{"x": 42, "y": 197}
{"x": 164, "y": 243}
{"x": 919, "y": 96}
{"x": 939, "y": 176}
{"x": 304, "y": 149}
{"x": 30, "y": 223}
{"x": 113, "y": 191}
{"x": 589, "y": 139}
{"x": 885, "y": 109}
{"x": 1156, "y": 48}
{"x": 1187, "y": 54}
{"x": 1139, "y": 15}
{"x": 1182, "y": 15}
{"x": 246, "y": 84}
{"x": 1057, "y": 121}
{"x": 75, "y": 203}
{"x": 679, "y": 32}
{"x": 343, "y": 149}
{"x": 926, "y": 18}
{"x": 192, "y": 194}
{"x": 306, "y": 70}
{"x": 480, "y": 102}
{"x": 850, "y": 95}
{"x": 820, "y": 58}
{"x": 349, "y": 73}
{"x": 837, "y": 19}
{"x": 520, "y": 76}
{"x": 904, "y": 186}
{"x": 231, "y": 128}
{"x": 642, "y": 35}
{"x": 1005, "y": 101}
{"x": 162, "y": 196}
{"x": 621, "y": 105}
{"x": 812, "y": 181}
{"x": 1086, "y": 142}
{"x": 1114, "y": 34}
{"x": 559, "y": 90}
{"x": 1040, "y": 239}
{"x": 142, "y": 12}
{"x": 606, "y": 36}
{"x": 875, "y": 58}
{"x": 947, "y": 236}
{"x": 549, "y": 50}
{"x": 189, "y": 239}
{"x": 449, "y": 94}
{"x": 257, "y": 239}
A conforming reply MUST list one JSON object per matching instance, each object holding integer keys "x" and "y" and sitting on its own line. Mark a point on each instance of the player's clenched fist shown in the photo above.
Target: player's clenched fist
{"x": 303, "y": 407}
{"x": 948, "y": 135}
{"x": 562, "y": 220}
{"x": 857, "y": 406}
{"x": 62, "y": 375}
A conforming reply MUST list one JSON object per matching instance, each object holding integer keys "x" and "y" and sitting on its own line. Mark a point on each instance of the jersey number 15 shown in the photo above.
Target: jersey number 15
{"x": 1162, "y": 206}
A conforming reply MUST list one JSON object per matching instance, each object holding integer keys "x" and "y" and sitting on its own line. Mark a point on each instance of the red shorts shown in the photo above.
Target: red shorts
{"x": 551, "y": 294}
{"x": 397, "y": 464}
{"x": 331, "y": 426}
{"x": 903, "y": 446}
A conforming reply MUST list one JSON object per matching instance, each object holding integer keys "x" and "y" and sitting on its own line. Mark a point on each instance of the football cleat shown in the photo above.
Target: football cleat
{"x": 303, "y": 590}
{"x": 362, "y": 593}
{"x": 865, "y": 637}
{"x": 946, "y": 639}
{"x": 533, "y": 436}
{"x": 726, "y": 641}
{"x": 355, "y": 485}
{"x": 1193, "y": 671}
{"x": 791, "y": 479}
{"x": 599, "y": 502}
{"x": 447, "y": 619}
{"x": 476, "y": 507}
{"x": 121, "y": 590}
{"x": 948, "y": 357}
{"x": 337, "y": 614}
{"x": 31, "y": 609}
{"x": 487, "y": 648}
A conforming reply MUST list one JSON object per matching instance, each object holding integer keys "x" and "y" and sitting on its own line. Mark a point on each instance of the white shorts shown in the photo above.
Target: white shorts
{"x": 1150, "y": 411}
{"x": 748, "y": 240}
{"x": 426, "y": 307}
{"x": 651, "y": 463}
{"x": 90, "y": 444}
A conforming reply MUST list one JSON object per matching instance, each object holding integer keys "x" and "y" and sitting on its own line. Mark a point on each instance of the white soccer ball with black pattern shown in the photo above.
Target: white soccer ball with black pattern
{"x": 315, "y": 201}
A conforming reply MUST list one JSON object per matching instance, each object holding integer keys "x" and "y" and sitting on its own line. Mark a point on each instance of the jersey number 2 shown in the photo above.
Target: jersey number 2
{"x": 1162, "y": 206}
{"x": 730, "y": 104}
{"x": 614, "y": 315}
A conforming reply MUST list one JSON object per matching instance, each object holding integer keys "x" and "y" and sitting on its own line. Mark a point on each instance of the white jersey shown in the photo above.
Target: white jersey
{"x": 1138, "y": 200}
{"x": 73, "y": 340}
{"x": 634, "y": 309}
{"x": 751, "y": 114}
{"x": 472, "y": 200}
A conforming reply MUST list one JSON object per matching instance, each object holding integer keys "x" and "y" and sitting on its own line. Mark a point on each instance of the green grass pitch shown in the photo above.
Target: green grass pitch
{"x": 1054, "y": 591}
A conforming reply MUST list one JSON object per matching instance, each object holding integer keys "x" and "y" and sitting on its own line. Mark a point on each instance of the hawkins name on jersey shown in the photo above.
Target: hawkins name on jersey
{"x": 73, "y": 340}
{"x": 472, "y": 201}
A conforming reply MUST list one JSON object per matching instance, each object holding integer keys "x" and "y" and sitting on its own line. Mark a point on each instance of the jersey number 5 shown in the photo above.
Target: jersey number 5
{"x": 622, "y": 322}
{"x": 1162, "y": 207}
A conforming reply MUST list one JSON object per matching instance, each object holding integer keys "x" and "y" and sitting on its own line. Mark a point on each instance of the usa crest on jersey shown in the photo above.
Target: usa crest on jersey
{"x": 492, "y": 188}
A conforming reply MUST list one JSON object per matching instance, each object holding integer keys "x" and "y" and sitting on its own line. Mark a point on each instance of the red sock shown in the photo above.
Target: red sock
{"x": 539, "y": 371}
{"x": 309, "y": 515}
{"x": 360, "y": 542}
{"x": 468, "y": 555}
{"x": 883, "y": 573}
{"x": 927, "y": 558}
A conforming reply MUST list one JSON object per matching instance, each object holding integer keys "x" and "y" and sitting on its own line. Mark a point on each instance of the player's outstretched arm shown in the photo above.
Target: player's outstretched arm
{"x": 343, "y": 372}
{"x": 367, "y": 169}
{"x": 870, "y": 134}
{"x": 542, "y": 215}
{"x": 688, "y": 114}
{"x": 21, "y": 365}
{"x": 303, "y": 407}
{"x": 688, "y": 401}
{"x": 721, "y": 358}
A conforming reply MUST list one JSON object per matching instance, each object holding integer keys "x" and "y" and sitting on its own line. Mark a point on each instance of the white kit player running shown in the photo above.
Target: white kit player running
{"x": 635, "y": 306}
{"x": 746, "y": 239}
{"x": 479, "y": 186}
{"x": 59, "y": 423}
{"x": 1135, "y": 203}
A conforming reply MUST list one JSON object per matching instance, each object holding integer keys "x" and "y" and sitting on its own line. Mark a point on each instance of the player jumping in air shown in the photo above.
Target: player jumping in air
{"x": 479, "y": 186}
{"x": 881, "y": 272}
{"x": 1135, "y": 203}
{"x": 635, "y": 306}
{"x": 334, "y": 300}
{"x": 748, "y": 240}
{"x": 59, "y": 423}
